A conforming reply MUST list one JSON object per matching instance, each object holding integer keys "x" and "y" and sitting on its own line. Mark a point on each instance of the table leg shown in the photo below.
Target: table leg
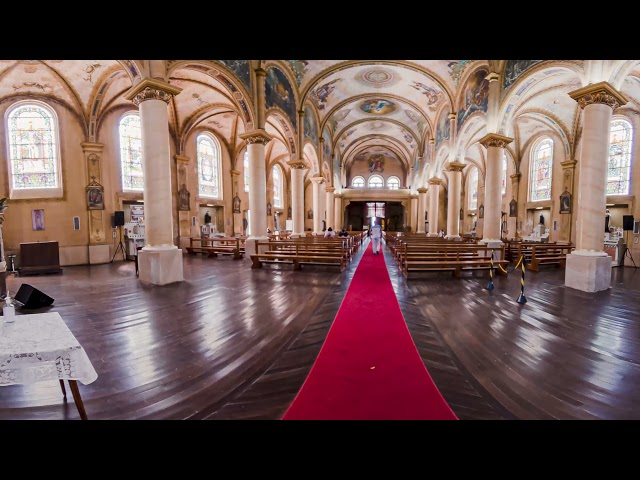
{"x": 78, "y": 399}
{"x": 64, "y": 390}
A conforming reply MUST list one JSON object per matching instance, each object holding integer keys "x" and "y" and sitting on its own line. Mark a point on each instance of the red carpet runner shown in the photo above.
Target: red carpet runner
{"x": 369, "y": 367}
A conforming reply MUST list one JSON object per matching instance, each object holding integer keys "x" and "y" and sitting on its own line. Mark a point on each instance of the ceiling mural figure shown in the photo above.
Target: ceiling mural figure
{"x": 443, "y": 129}
{"x": 476, "y": 96}
{"x": 278, "y": 93}
{"x": 456, "y": 67}
{"x": 378, "y": 106}
{"x": 433, "y": 95}
{"x": 310, "y": 125}
{"x": 320, "y": 95}
{"x": 242, "y": 70}
{"x": 377, "y": 77}
{"x": 514, "y": 69}
{"x": 299, "y": 68}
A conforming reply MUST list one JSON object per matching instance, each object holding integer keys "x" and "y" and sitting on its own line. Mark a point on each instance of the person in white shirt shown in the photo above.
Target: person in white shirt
{"x": 329, "y": 233}
{"x": 376, "y": 238}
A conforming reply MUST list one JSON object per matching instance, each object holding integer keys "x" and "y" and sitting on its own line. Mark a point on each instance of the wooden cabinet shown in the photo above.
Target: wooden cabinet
{"x": 39, "y": 257}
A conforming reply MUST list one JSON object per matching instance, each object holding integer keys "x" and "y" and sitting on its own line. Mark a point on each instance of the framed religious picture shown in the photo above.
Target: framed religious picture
{"x": 184, "y": 196}
{"x": 513, "y": 208}
{"x": 37, "y": 219}
{"x": 565, "y": 202}
{"x": 310, "y": 214}
{"x": 95, "y": 195}
{"x": 269, "y": 208}
{"x": 481, "y": 211}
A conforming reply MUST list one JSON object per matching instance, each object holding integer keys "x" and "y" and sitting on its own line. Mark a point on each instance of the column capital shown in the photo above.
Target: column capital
{"x": 452, "y": 116}
{"x": 182, "y": 158}
{"x": 337, "y": 196}
{"x": 321, "y": 140}
{"x": 330, "y": 189}
{"x": 89, "y": 147}
{"x": 569, "y": 164}
{"x": 318, "y": 180}
{"x": 422, "y": 190}
{"x": 516, "y": 176}
{"x": 298, "y": 164}
{"x": 432, "y": 141}
{"x": 301, "y": 113}
{"x": 256, "y": 136}
{"x": 235, "y": 173}
{"x": 495, "y": 140}
{"x": 601, "y": 92}
{"x": 492, "y": 77}
{"x": 151, "y": 89}
{"x": 456, "y": 166}
{"x": 261, "y": 72}
{"x": 435, "y": 181}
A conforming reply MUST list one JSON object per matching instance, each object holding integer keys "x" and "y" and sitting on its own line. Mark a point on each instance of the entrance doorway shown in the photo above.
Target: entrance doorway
{"x": 389, "y": 215}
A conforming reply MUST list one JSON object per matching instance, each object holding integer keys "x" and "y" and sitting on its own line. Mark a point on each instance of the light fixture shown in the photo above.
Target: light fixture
{"x": 610, "y": 204}
{"x": 538, "y": 208}
{"x": 210, "y": 205}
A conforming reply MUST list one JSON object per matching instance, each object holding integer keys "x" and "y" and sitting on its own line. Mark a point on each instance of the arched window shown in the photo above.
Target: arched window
{"x": 393, "y": 183}
{"x": 276, "y": 174}
{"x": 208, "y": 152}
{"x": 504, "y": 174}
{"x": 619, "y": 172}
{"x": 246, "y": 171}
{"x": 357, "y": 182}
{"x": 376, "y": 181}
{"x": 34, "y": 153}
{"x": 541, "y": 169}
{"x": 131, "y": 153}
{"x": 473, "y": 189}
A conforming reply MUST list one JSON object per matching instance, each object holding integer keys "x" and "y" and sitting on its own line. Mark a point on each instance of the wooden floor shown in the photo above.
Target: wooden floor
{"x": 231, "y": 342}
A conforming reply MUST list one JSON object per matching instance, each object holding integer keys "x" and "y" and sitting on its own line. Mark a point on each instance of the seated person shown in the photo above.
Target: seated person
{"x": 343, "y": 232}
{"x": 329, "y": 233}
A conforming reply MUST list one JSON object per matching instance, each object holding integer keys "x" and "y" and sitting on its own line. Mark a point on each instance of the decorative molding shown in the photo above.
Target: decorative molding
{"x": 456, "y": 166}
{"x": 492, "y": 77}
{"x": 261, "y": 72}
{"x": 495, "y": 140}
{"x": 569, "y": 164}
{"x": 601, "y": 92}
{"x": 182, "y": 158}
{"x": 318, "y": 180}
{"x": 516, "y": 176}
{"x": 422, "y": 190}
{"x": 330, "y": 189}
{"x": 92, "y": 147}
{"x": 235, "y": 173}
{"x": 256, "y": 136}
{"x": 151, "y": 89}
{"x": 435, "y": 181}
{"x": 298, "y": 164}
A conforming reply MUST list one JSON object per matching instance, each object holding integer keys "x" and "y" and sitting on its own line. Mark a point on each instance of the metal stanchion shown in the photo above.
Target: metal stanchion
{"x": 521, "y": 298}
{"x": 490, "y": 286}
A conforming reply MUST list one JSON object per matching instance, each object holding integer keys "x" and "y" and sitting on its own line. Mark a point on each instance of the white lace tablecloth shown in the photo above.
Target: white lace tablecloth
{"x": 41, "y": 347}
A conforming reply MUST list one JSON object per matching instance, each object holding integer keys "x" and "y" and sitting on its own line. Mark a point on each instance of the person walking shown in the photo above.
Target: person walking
{"x": 376, "y": 238}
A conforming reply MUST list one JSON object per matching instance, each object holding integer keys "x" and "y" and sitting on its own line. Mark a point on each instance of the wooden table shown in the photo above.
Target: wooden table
{"x": 40, "y": 347}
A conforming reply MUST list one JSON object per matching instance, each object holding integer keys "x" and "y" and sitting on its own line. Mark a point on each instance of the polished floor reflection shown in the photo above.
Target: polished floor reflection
{"x": 231, "y": 342}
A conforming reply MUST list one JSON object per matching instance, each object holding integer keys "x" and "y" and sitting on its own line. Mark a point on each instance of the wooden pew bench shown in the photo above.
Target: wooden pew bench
{"x": 549, "y": 255}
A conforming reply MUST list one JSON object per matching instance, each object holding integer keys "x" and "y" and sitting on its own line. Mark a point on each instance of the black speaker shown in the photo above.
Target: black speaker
{"x": 118, "y": 218}
{"x": 627, "y": 222}
{"x": 31, "y": 297}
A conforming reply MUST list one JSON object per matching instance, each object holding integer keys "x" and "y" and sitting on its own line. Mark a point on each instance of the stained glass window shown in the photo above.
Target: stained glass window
{"x": 619, "y": 171}
{"x": 357, "y": 182}
{"x": 473, "y": 189}
{"x": 504, "y": 174}
{"x": 276, "y": 173}
{"x": 208, "y": 166}
{"x": 246, "y": 171}
{"x": 376, "y": 181}
{"x": 33, "y": 147}
{"x": 541, "y": 169}
{"x": 131, "y": 153}
{"x": 393, "y": 183}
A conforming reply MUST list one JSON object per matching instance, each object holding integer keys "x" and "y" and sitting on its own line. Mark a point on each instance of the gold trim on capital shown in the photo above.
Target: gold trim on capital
{"x": 601, "y": 92}
{"x": 492, "y": 77}
{"x": 432, "y": 141}
{"x": 256, "y": 136}
{"x": 318, "y": 180}
{"x": 569, "y": 164}
{"x": 329, "y": 189}
{"x": 495, "y": 140}
{"x": 516, "y": 176}
{"x": 182, "y": 159}
{"x": 435, "y": 181}
{"x": 151, "y": 89}
{"x": 261, "y": 72}
{"x": 235, "y": 173}
{"x": 423, "y": 190}
{"x": 298, "y": 164}
{"x": 92, "y": 147}
{"x": 456, "y": 166}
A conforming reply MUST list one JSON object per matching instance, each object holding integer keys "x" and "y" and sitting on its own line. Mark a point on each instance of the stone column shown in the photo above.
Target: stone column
{"x": 566, "y": 220}
{"x": 98, "y": 242}
{"x": 184, "y": 222}
{"x": 159, "y": 261}
{"x": 256, "y": 141}
{"x": 317, "y": 198}
{"x": 414, "y": 213}
{"x": 453, "y": 210}
{"x": 422, "y": 207}
{"x": 494, "y": 144}
{"x": 434, "y": 205}
{"x": 337, "y": 212}
{"x": 297, "y": 197}
{"x": 330, "y": 207}
{"x": 588, "y": 266}
{"x": 512, "y": 222}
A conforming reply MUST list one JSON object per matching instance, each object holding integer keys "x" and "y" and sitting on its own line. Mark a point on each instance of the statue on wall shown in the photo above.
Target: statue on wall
{"x": 236, "y": 204}
{"x": 207, "y": 217}
{"x": 184, "y": 197}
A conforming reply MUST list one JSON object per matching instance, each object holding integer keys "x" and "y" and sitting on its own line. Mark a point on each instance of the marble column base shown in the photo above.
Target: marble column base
{"x": 250, "y": 246}
{"x": 589, "y": 273}
{"x": 160, "y": 267}
{"x": 99, "y": 254}
{"x": 497, "y": 244}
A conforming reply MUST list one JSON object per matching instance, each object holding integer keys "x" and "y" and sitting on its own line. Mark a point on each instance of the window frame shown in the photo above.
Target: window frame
{"x": 364, "y": 182}
{"x": 280, "y": 182}
{"x": 532, "y": 162}
{"x": 125, "y": 189}
{"x": 38, "y": 192}
{"x": 218, "y": 148}
{"x": 474, "y": 170}
{"x": 393, "y": 177}
{"x": 621, "y": 118}
{"x": 371, "y": 177}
